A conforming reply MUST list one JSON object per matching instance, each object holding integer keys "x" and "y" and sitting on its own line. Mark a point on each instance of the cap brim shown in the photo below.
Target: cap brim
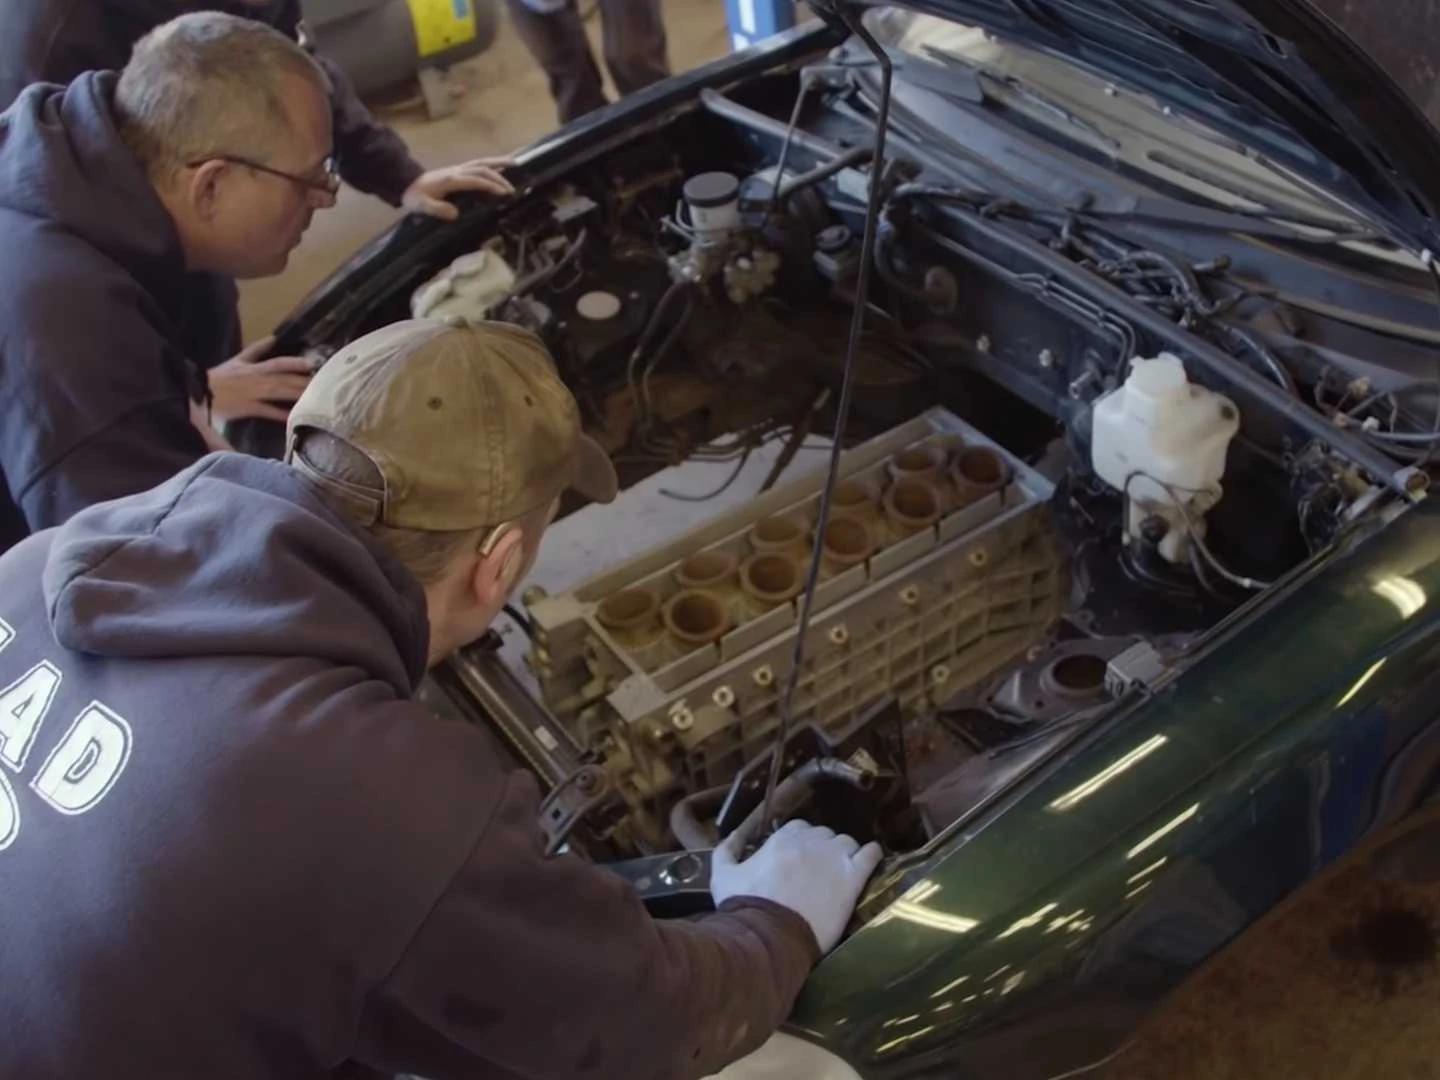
{"x": 594, "y": 472}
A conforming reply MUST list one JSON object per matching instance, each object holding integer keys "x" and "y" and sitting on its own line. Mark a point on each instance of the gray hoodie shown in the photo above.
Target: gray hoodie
{"x": 233, "y": 847}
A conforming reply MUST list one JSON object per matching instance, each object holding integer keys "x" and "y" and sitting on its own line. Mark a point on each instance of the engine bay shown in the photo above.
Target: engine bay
{"x": 1070, "y": 458}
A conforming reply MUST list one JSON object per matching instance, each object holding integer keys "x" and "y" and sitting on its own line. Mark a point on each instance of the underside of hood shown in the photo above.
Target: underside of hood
{"x": 1275, "y": 75}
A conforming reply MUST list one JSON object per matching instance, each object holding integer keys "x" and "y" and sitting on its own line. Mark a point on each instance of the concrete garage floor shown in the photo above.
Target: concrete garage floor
{"x": 1341, "y": 983}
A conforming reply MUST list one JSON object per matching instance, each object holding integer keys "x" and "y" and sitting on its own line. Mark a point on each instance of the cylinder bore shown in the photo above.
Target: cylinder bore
{"x": 772, "y": 579}
{"x": 850, "y": 495}
{"x": 847, "y": 541}
{"x": 912, "y": 504}
{"x": 777, "y": 534}
{"x": 978, "y": 471}
{"x": 1080, "y": 675}
{"x": 627, "y": 609}
{"x": 696, "y": 618}
{"x": 705, "y": 569}
{"x": 923, "y": 461}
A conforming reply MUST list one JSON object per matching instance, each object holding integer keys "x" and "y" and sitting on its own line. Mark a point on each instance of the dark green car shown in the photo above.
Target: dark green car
{"x": 1172, "y": 261}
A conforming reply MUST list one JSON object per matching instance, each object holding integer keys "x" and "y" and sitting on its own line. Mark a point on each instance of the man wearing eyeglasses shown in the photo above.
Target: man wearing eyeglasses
{"x": 56, "y": 40}
{"x": 122, "y": 197}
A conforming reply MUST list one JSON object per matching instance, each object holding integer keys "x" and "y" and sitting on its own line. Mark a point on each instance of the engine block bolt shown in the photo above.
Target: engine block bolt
{"x": 939, "y": 674}
{"x": 839, "y": 635}
{"x": 979, "y": 557}
{"x": 763, "y": 676}
{"x": 683, "y": 720}
{"x": 910, "y": 595}
{"x": 723, "y": 697}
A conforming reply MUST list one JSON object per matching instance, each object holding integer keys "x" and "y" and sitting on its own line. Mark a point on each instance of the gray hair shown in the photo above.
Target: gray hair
{"x": 206, "y": 85}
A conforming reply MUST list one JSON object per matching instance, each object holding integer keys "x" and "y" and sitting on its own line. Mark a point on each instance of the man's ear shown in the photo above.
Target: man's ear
{"x": 496, "y": 574}
{"x": 202, "y": 191}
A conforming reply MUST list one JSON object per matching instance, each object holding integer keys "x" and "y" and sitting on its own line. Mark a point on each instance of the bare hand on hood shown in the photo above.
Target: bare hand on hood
{"x": 245, "y": 385}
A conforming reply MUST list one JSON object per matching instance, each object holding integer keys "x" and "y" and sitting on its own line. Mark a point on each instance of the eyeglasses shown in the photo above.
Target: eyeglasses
{"x": 329, "y": 185}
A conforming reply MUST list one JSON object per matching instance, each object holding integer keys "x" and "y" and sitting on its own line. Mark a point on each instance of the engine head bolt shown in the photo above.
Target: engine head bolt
{"x": 939, "y": 674}
{"x": 979, "y": 557}
{"x": 723, "y": 697}
{"x": 910, "y": 595}
{"x": 682, "y": 720}
{"x": 763, "y": 676}
{"x": 839, "y": 635}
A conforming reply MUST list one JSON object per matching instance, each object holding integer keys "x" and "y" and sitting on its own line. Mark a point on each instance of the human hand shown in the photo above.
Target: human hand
{"x": 803, "y": 867}
{"x": 245, "y": 385}
{"x": 429, "y": 192}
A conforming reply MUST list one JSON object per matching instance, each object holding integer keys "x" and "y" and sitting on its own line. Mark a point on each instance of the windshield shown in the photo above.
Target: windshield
{"x": 1114, "y": 124}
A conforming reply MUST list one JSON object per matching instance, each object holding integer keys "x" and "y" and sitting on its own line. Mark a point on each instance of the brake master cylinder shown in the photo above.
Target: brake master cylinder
{"x": 1161, "y": 441}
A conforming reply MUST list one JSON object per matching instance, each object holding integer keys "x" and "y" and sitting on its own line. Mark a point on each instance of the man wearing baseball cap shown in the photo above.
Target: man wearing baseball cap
{"x": 233, "y": 845}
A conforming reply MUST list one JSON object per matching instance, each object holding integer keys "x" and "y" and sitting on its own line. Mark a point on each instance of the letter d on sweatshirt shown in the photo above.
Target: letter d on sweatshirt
{"x": 87, "y": 762}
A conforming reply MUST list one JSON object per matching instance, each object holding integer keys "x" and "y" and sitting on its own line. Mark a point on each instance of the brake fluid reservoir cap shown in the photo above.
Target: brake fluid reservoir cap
{"x": 1160, "y": 379}
{"x": 598, "y": 306}
{"x": 711, "y": 189}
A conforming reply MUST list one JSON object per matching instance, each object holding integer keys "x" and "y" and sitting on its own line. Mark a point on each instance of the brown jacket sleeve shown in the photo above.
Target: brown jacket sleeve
{"x": 373, "y": 159}
{"x": 531, "y": 966}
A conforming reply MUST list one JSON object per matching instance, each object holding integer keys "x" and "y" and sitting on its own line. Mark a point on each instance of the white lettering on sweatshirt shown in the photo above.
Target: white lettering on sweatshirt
{"x": 81, "y": 768}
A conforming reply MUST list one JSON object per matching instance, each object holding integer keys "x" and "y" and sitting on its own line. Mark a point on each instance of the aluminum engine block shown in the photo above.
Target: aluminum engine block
{"x": 940, "y": 569}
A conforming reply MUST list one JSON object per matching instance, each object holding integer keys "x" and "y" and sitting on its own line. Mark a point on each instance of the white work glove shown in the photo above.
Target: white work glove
{"x": 803, "y": 867}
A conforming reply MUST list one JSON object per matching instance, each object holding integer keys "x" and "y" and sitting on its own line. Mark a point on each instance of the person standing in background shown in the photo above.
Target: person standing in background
{"x": 634, "y": 45}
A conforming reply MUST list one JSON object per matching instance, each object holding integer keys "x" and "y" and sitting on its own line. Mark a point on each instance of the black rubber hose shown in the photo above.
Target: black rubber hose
{"x": 790, "y": 794}
{"x": 1261, "y": 352}
{"x": 857, "y": 156}
{"x": 688, "y": 818}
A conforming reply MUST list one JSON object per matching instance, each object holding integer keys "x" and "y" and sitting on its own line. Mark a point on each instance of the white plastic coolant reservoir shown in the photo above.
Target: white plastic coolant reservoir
{"x": 1161, "y": 440}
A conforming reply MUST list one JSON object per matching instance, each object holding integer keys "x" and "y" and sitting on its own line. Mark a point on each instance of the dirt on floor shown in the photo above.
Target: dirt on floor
{"x": 1342, "y": 983}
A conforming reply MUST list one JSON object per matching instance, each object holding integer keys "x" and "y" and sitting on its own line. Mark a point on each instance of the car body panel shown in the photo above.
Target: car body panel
{"x": 1142, "y": 852}
{"x": 1032, "y": 937}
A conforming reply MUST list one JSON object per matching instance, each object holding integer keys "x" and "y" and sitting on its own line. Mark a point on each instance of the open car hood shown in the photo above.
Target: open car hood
{"x": 1274, "y": 74}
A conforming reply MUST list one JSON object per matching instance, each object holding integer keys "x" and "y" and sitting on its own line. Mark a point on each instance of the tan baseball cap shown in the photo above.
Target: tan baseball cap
{"x": 469, "y": 425}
